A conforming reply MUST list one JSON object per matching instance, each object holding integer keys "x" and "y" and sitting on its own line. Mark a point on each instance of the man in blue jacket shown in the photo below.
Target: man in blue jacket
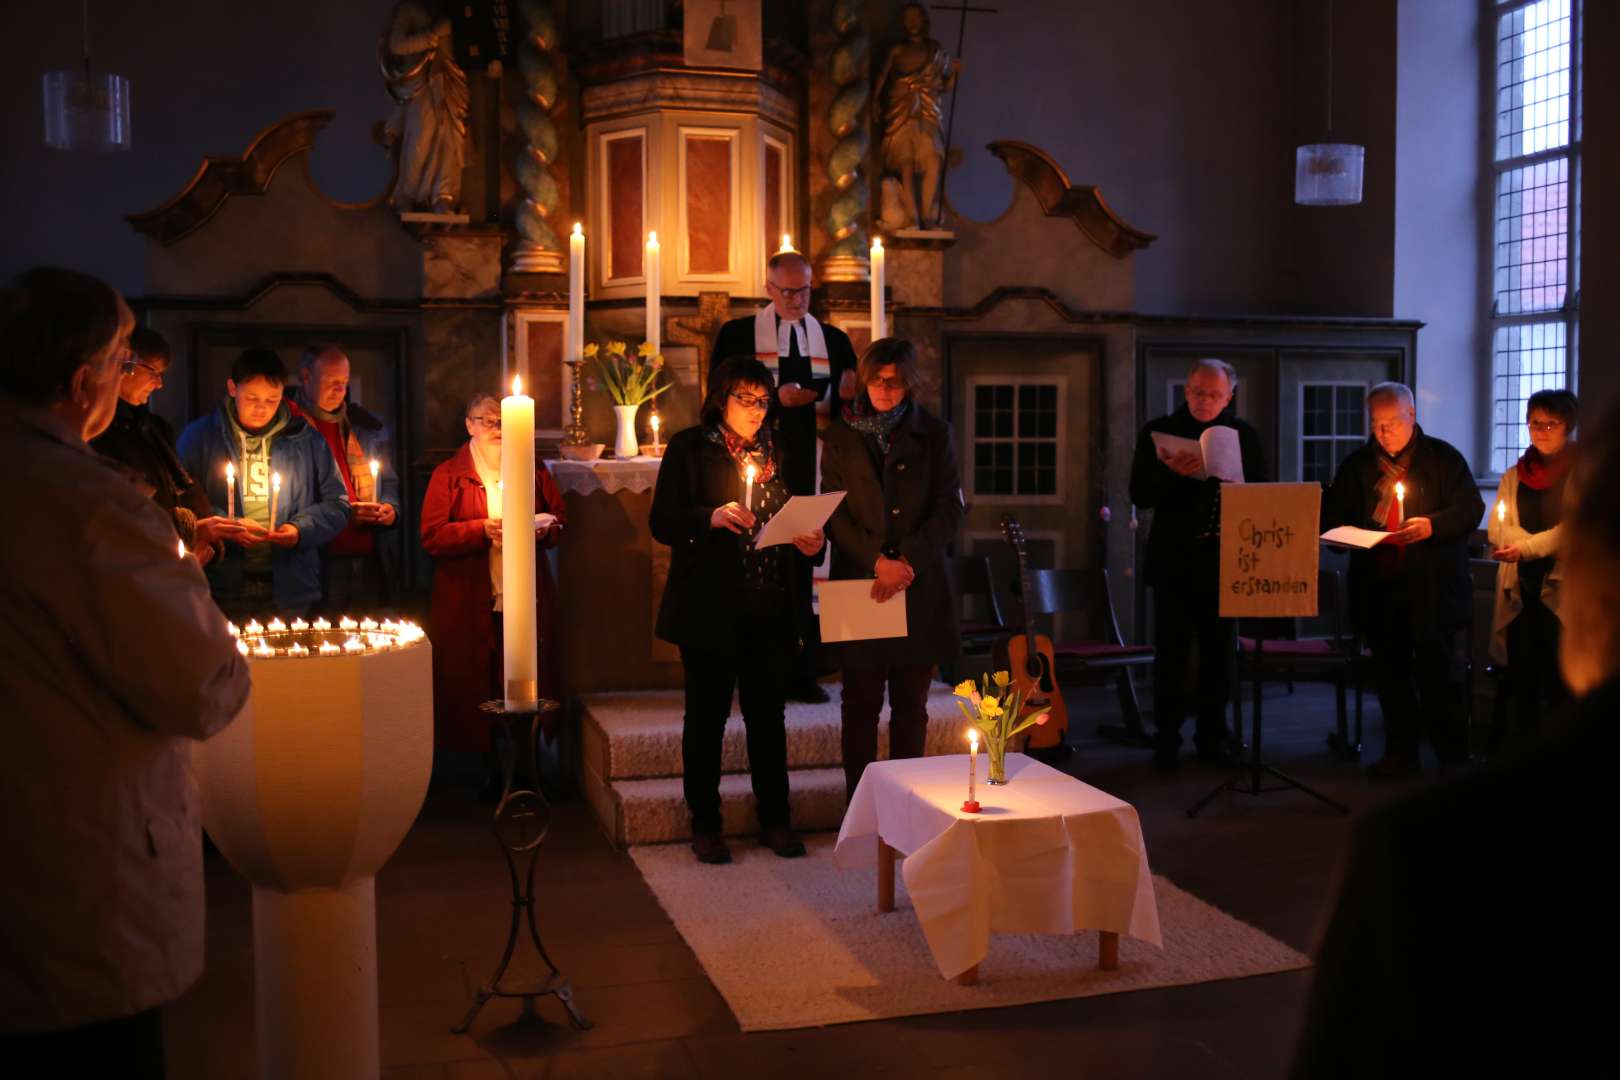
{"x": 276, "y": 567}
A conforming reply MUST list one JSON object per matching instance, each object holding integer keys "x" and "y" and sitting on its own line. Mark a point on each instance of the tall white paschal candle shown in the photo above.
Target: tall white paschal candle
{"x": 517, "y": 548}
{"x": 576, "y": 295}
{"x": 878, "y": 329}
{"x": 655, "y": 283}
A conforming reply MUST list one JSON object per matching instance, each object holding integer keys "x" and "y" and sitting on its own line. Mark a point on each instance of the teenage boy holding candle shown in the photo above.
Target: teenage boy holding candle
{"x": 359, "y": 563}
{"x": 1412, "y": 593}
{"x": 276, "y": 566}
{"x": 814, "y": 368}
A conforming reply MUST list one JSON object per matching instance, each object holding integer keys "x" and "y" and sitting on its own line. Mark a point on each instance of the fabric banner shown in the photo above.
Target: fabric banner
{"x": 1269, "y": 549}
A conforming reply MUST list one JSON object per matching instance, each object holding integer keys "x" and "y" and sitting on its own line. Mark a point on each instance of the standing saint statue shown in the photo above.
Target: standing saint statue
{"x": 916, "y": 74}
{"x": 429, "y": 125}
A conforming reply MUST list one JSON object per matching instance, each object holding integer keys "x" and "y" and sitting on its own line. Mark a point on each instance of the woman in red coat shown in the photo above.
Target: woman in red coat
{"x": 464, "y": 622}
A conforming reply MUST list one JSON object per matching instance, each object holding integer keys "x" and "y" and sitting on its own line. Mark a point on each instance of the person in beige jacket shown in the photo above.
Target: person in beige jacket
{"x": 1524, "y": 533}
{"x": 113, "y": 659}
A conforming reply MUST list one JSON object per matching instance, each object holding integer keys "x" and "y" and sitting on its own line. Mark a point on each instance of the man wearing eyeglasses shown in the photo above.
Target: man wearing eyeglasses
{"x": 1183, "y": 565}
{"x": 814, "y": 367}
{"x": 143, "y": 443}
{"x": 1413, "y": 592}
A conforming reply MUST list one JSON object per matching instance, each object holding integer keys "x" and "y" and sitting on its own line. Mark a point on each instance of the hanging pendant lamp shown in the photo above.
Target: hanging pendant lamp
{"x": 86, "y": 110}
{"x": 1328, "y": 173}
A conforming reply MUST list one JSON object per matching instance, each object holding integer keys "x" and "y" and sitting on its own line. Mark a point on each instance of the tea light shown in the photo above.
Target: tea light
{"x": 353, "y": 645}
{"x": 254, "y": 628}
{"x": 241, "y": 646}
{"x": 322, "y": 624}
{"x": 329, "y": 649}
{"x": 368, "y": 624}
{"x": 347, "y": 623}
{"x": 295, "y": 649}
{"x": 300, "y": 624}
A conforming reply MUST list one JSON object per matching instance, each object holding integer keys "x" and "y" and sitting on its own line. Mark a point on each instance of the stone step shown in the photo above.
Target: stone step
{"x": 637, "y": 735}
{"x": 654, "y": 811}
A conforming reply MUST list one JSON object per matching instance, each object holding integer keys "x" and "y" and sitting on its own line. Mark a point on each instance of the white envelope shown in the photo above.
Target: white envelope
{"x": 848, "y": 612}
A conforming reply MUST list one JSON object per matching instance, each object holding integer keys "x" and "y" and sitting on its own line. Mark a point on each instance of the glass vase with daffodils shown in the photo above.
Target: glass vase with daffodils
{"x": 1000, "y": 711}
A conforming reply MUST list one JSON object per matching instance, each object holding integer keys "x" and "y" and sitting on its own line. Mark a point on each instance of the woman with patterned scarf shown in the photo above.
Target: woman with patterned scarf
{"x": 1525, "y": 528}
{"x": 902, "y": 507}
{"x": 726, "y": 602}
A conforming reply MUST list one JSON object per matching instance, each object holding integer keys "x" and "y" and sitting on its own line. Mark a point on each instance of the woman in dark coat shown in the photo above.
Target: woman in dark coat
{"x": 726, "y": 602}
{"x": 464, "y": 623}
{"x": 902, "y": 508}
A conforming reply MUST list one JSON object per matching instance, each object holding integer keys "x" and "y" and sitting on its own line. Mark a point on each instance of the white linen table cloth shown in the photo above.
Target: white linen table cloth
{"x": 1047, "y": 854}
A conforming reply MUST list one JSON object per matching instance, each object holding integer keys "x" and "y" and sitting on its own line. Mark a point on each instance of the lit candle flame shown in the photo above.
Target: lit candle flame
{"x": 327, "y": 648}
{"x": 877, "y": 243}
{"x": 579, "y": 230}
{"x": 376, "y": 467}
{"x": 368, "y": 624}
{"x": 652, "y": 238}
{"x": 347, "y": 623}
{"x": 232, "y": 627}
{"x": 182, "y": 544}
{"x": 300, "y": 624}
{"x": 787, "y": 243}
{"x": 277, "y": 626}
{"x": 241, "y": 646}
{"x": 1400, "y": 491}
{"x": 254, "y": 628}
{"x": 517, "y": 386}
{"x": 654, "y": 421}
{"x": 275, "y": 481}
{"x": 322, "y": 624}
{"x": 1501, "y": 511}
{"x": 295, "y": 649}
{"x": 353, "y": 645}
{"x": 973, "y": 739}
{"x": 750, "y": 473}
{"x": 230, "y": 472}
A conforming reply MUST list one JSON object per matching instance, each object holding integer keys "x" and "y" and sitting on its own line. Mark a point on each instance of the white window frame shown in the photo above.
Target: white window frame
{"x": 1299, "y": 405}
{"x": 971, "y": 439}
{"x": 1568, "y": 315}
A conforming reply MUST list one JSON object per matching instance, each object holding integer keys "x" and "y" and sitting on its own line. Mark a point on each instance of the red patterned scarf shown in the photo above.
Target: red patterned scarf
{"x": 759, "y": 453}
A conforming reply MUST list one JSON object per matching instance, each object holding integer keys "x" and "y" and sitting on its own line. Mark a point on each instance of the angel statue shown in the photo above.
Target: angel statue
{"x": 429, "y": 125}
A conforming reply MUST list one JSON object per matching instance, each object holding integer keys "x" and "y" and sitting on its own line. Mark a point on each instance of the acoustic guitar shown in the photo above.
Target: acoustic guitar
{"x": 1028, "y": 657}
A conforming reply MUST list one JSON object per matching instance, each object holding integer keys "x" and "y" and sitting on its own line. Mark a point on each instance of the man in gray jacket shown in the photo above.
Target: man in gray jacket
{"x": 113, "y": 658}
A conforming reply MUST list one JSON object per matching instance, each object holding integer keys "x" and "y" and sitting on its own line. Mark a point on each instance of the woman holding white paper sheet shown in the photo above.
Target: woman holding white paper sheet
{"x": 726, "y": 602}
{"x": 902, "y": 507}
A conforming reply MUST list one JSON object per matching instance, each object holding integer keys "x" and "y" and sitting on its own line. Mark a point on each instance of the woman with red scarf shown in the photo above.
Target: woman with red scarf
{"x": 1524, "y": 532}
{"x": 726, "y": 602}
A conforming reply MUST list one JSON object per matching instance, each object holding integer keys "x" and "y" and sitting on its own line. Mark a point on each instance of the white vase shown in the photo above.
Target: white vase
{"x": 626, "y": 445}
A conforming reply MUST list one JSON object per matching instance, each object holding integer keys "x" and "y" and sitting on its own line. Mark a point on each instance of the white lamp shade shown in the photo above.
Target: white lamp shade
{"x": 86, "y": 110}
{"x": 1328, "y": 174}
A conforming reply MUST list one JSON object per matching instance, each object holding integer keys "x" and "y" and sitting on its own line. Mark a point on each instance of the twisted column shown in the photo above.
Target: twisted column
{"x": 538, "y": 250}
{"x": 847, "y": 120}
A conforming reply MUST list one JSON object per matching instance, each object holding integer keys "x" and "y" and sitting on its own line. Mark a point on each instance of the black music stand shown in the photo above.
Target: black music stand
{"x": 1247, "y": 780}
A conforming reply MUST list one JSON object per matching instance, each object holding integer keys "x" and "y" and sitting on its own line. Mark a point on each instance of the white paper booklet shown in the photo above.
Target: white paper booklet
{"x": 800, "y": 516}
{"x": 1217, "y": 448}
{"x": 848, "y": 612}
{"x": 1351, "y": 537}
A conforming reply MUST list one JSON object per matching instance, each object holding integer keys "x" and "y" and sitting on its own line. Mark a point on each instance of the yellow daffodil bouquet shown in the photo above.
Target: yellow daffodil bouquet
{"x": 629, "y": 380}
{"x": 998, "y": 711}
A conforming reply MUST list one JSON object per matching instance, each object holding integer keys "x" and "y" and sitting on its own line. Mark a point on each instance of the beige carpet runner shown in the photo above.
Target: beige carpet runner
{"x": 795, "y": 943}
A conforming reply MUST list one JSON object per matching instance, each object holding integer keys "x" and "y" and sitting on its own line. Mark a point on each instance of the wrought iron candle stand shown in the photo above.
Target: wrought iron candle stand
{"x": 521, "y": 822}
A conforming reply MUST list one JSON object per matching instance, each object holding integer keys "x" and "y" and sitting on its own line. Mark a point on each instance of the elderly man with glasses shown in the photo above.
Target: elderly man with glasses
{"x": 1183, "y": 564}
{"x": 1412, "y": 593}
{"x": 814, "y": 367}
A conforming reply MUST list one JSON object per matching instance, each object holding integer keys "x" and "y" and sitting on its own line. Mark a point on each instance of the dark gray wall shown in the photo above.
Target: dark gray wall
{"x": 205, "y": 77}
{"x": 1179, "y": 110}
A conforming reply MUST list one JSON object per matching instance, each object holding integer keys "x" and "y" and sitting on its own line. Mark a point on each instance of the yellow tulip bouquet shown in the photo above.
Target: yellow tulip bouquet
{"x": 628, "y": 380}
{"x": 998, "y": 715}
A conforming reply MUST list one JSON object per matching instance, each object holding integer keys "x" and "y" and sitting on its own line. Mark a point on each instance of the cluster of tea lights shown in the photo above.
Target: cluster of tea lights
{"x": 264, "y": 641}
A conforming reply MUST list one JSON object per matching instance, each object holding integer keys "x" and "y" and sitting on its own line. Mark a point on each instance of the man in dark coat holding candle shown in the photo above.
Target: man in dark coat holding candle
{"x": 814, "y": 366}
{"x": 1412, "y": 593}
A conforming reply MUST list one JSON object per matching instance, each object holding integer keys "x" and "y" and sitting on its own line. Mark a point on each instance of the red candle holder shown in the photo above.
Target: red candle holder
{"x": 971, "y": 806}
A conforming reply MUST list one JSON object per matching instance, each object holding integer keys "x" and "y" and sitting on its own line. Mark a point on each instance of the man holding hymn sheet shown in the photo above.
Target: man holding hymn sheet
{"x": 814, "y": 367}
{"x": 902, "y": 506}
{"x": 1183, "y": 556}
{"x": 1411, "y": 593}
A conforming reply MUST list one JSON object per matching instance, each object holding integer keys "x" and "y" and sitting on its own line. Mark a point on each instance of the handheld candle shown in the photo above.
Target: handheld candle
{"x": 748, "y": 490}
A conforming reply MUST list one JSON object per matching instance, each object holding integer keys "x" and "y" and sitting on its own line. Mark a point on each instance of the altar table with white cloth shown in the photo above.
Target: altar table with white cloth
{"x": 1047, "y": 854}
